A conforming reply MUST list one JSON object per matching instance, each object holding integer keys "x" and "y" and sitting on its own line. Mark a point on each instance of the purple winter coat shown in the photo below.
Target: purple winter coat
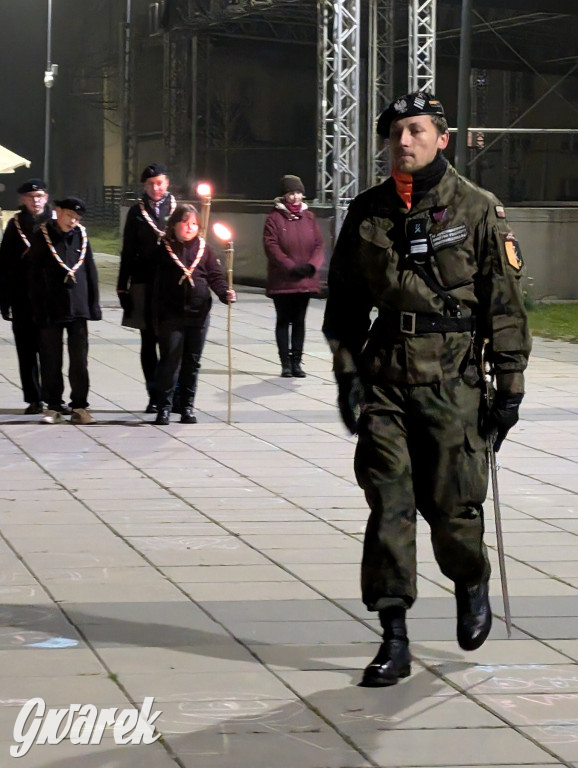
{"x": 292, "y": 240}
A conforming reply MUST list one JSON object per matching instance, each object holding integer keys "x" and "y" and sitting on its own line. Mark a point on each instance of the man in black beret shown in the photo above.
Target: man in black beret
{"x": 435, "y": 255}
{"x": 14, "y": 304}
{"x": 63, "y": 287}
{"x": 145, "y": 225}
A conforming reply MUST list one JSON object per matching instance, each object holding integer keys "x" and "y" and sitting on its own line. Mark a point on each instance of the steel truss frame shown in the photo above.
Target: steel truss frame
{"x": 338, "y": 100}
{"x": 422, "y": 45}
{"x": 380, "y": 84}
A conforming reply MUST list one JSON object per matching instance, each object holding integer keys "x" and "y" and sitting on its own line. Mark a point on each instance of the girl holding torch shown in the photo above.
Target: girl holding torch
{"x": 187, "y": 271}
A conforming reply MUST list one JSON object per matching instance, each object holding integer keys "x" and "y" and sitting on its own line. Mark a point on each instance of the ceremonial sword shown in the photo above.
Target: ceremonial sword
{"x": 490, "y": 439}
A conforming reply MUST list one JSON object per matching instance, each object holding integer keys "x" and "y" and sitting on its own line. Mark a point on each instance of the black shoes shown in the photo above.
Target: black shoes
{"x": 33, "y": 409}
{"x": 163, "y": 418}
{"x": 296, "y": 370}
{"x": 286, "y": 370}
{"x": 393, "y": 660}
{"x": 188, "y": 416}
{"x": 474, "y": 615}
{"x": 151, "y": 407}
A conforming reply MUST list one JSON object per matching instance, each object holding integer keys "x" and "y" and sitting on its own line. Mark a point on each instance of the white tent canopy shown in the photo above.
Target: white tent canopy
{"x": 9, "y": 161}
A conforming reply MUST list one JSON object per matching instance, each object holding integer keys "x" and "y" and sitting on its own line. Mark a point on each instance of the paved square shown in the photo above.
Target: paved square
{"x": 215, "y": 567}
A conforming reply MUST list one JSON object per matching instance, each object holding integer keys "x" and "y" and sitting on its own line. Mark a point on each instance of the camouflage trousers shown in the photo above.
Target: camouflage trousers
{"x": 419, "y": 449}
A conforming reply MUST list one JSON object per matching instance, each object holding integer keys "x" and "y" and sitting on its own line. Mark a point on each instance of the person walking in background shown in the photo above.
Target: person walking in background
{"x": 144, "y": 227}
{"x": 14, "y": 302}
{"x": 435, "y": 255}
{"x": 295, "y": 254}
{"x": 63, "y": 287}
{"x": 186, "y": 272}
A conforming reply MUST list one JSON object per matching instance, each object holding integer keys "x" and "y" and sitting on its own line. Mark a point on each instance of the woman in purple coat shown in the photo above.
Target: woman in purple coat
{"x": 295, "y": 254}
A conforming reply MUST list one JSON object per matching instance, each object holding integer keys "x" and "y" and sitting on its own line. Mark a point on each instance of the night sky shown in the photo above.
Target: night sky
{"x": 23, "y": 25}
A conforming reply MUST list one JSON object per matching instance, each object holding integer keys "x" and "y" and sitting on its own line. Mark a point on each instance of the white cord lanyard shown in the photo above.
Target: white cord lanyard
{"x": 188, "y": 271}
{"x": 70, "y": 271}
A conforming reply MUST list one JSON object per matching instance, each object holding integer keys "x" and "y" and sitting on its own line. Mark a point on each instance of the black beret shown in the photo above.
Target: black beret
{"x": 72, "y": 204}
{"x": 152, "y": 170}
{"x": 31, "y": 185}
{"x": 410, "y": 105}
{"x": 291, "y": 184}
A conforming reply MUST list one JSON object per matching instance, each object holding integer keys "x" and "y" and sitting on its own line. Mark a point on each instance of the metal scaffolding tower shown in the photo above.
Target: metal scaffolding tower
{"x": 339, "y": 81}
{"x": 380, "y": 84}
{"x": 422, "y": 45}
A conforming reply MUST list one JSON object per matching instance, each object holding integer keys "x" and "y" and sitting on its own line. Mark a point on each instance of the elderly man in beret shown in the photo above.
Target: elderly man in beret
{"x": 14, "y": 304}
{"x": 435, "y": 255}
{"x": 145, "y": 225}
{"x": 63, "y": 288}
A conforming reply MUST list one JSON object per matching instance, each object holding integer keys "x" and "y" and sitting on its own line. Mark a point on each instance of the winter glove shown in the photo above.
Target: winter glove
{"x": 6, "y": 313}
{"x": 349, "y": 399}
{"x": 502, "y": 417}
{"x": 125, "y": 301}
{"x": 303, "y": 270}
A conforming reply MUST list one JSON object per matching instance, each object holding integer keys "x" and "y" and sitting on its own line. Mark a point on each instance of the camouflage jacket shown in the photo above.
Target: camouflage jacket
{"x": 471, "y": 254}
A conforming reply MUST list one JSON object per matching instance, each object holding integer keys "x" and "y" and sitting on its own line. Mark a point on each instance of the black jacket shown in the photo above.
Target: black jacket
{"x": 54, "y": 299}
{"x": 140, "y": 243}
{"x": 13, "y": 290}
{"x": 177, "y": 300}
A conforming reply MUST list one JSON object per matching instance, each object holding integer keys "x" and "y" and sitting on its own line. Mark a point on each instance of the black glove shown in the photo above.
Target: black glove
{"x": 303, "y": 270}
{"x": 349, "y": 399}
{"x": 502, "y": 417}
{"x": 6, "y": 313}
{"x": 125, "y": 301}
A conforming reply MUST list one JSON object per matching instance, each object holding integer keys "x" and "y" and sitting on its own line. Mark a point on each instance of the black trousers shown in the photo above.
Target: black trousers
{"x": 26, "y": 341}
{"x": 51, "y": 357}
{"x": 149, "y": 359}
{"x": 291, "y": 309}
{"x": 181, "y": 347}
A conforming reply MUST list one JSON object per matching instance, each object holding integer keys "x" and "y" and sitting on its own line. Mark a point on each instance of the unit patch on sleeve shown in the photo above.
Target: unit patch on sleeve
{"x": 513, "y": 252}
{"x": 447, "y": 237}
{"x": 500, "y": 212}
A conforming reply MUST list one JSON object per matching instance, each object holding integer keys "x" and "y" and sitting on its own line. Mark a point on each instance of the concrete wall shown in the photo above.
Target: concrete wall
{"x": 548, "y": 239}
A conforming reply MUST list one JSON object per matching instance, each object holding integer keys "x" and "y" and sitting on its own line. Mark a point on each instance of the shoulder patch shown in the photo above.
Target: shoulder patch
{"x": 513, "y": 252}
{"x": 500, "y": 212}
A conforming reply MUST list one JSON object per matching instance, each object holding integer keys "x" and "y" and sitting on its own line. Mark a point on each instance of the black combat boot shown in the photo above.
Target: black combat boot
{"x": 286, "y": 371}
{"x": 474, "y": 615}
{"x": 393, "y": 660}
{"x": 163, "y": 417}
{"x": 296, "y": 369}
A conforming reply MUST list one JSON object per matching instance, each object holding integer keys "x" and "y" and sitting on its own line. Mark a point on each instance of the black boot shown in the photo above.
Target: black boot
{"x": 163, "y": 417}
{"x": 188, "y": 415}
{"x": 286, "y": 371}
{"x": 474, "y": 615}
{"x": 152, "y": 406}
{"x": 296, "y": 369}
{"x": 393, "y": 660}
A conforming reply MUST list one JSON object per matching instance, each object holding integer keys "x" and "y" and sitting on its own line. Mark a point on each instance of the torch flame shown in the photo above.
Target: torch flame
{"x": 222, "y": 232}
{"x": 204, "y": 189}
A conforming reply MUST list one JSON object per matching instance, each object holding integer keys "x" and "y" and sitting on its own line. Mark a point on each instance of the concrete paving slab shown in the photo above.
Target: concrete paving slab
{"x": 217, "y": 567}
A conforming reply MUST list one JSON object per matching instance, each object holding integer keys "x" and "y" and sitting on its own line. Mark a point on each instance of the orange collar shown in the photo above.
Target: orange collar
{"x": 404, "y": 187}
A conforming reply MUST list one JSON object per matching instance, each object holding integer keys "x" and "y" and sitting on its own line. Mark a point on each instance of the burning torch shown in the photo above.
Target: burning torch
{"x": 224, "y": 234}
{"x": 204, "y": 191}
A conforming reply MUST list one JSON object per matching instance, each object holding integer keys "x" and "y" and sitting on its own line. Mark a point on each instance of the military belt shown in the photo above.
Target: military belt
{"x": 416, "y": 323}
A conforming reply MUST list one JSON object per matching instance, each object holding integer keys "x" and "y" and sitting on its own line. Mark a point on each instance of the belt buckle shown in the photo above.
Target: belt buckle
{"x": 407, "y": 322}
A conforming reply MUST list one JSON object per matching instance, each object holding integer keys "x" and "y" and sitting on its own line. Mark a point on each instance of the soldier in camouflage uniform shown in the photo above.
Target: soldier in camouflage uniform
{"x": 435, "y": 255}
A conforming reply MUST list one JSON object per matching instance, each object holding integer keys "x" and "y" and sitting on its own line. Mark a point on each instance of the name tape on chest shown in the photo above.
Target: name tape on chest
{"x": 451, "y": 236}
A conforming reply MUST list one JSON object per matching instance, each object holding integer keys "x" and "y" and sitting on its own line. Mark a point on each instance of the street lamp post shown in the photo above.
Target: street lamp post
{"x": 49, "y": 74}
